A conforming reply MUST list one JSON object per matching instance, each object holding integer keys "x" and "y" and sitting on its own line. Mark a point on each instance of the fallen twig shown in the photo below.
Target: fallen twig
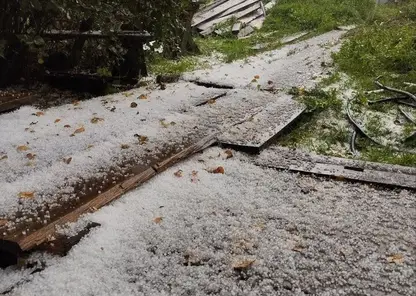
{"x": 407, "y": 115}
{"x": 352, "y": 142}
{"x": 399, "y": 91}
{"x": 410, "y": 84}
{"x": 407, "y": 104}
{"x": 384, "y": 100}
{"x": 358, "y": 127}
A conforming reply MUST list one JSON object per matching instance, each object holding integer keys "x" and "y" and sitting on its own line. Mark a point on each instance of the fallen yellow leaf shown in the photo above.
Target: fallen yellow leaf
{"x": 96, "y": 120}
{"x": 142, "y": 97}
{"x": 27, "y": 194}
{"x": 57, "y": 120}
{"x": 396, "y": 258}
{"x": 79, "y": 130}
{"x": 164, "y": 124}
{"x": 128, "y": 94}
{"x": 40, "y": 113}
{"x": 158, "y": 220}
{"x": 22, "y": 148}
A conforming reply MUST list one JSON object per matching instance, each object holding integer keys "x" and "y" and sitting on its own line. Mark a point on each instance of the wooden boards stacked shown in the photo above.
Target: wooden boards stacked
{"x": 234, "y": 15}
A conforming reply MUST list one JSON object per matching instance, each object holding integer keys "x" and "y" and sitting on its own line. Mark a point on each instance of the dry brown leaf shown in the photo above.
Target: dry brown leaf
{"x": 218, "y": 170}
{"x": 340, "y": 178}
{"x": 298, "y": 248}
{"x": 57, "y": 120}
{"x": 194, "y": 177}
{"x": 27, "y": 194}
{"x": 256, "y": 77}
{"x": 211, "y": 101}
{"x": 229, "y": 154}
{"x": 67, "y": 126}
{"x": 158, "y": 220}
{"x": 125, "y": 146}
{"x": 22, "y": 148}
{"x": 3, "y": 222}
{"x": 143, "y": 140}
{"x": 90, "y": 146}
{"x": 40, "y": 113}
{"x": 396, "y": 258}
{"x": 75, "y": 103}
{"x": 142, "y": 97}
{"x": 3, "y": 157}
{"x": 96, "y": 120}
{"x": 243, "y": 264}
{"x": 68, "y": 160}
{"x": 178, "y": 173}
{"x": 30, "y": 156}
{"x": 79, "y": 130}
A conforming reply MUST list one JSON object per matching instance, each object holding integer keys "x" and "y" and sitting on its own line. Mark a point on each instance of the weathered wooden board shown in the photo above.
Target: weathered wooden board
{"x": 239, "y": 7}
{"x": 254, "y": 134}
{"x": 215, "y": 11}
{"x": 251, "y": 17}
{"x": 10, "y": 103}
{"x": 211, "y": 23}
{"x": 338, "y": 168}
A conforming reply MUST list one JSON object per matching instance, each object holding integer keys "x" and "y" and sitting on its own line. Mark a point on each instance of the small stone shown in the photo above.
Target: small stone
{"x": 133, "y": 105}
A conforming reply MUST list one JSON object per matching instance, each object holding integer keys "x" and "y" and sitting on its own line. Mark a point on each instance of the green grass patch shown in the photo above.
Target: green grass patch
{"x": 386, "y": 155}
{"x": 290, "y": 16}
{"x": 159, "y": 65}
{"x": 385, "y": 46}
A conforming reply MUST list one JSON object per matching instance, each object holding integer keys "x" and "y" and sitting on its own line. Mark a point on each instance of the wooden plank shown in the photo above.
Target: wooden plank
{"x": 205, "y": 9}
{"x": 38, "y": 237}
{"x": 65, "y": 34}
{"x": 199, "y": 146}
{"x": 236, "y": 28}
{"x": 254, "y": 134}
{"x": 239, "y": 7}
{"x": 41, "y": 235}
{"x": 210, "y": 14}
{"x": 251, "y": 17}
{"x": 207, "y": 25}
{"x": 338, "y": 168}
{"x": 258, "y": 22}
{"x": 8, "y": 104}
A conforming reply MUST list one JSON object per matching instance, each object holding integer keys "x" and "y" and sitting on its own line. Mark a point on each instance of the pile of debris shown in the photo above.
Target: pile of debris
{"x": 241, "y": 17}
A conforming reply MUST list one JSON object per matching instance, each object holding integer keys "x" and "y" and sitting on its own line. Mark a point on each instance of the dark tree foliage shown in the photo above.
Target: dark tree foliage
{"x": 22, "y": 22}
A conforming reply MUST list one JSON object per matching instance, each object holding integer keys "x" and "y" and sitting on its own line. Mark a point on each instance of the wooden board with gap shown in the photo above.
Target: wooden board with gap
{"x": 254, "y": 134}
{"x": 338, "y": 168}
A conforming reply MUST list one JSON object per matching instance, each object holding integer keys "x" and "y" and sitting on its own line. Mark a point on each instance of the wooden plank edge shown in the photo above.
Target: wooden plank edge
{"x": 40, "y": 236}
{"x": 297, "y": 169}
{"x": 16, "y": 103}
{"x": 256, "y": 149}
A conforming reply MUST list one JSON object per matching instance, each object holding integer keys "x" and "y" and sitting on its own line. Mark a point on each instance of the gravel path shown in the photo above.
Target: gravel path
{"x": 250, "y": 231}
